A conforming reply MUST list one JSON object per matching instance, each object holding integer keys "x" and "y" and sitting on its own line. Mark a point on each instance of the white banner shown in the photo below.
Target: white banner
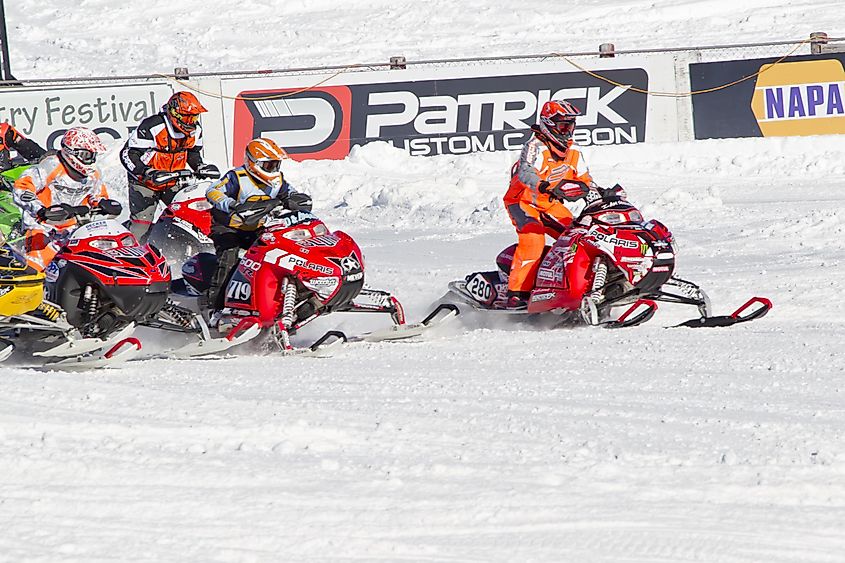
{"x": 113, "y": 111}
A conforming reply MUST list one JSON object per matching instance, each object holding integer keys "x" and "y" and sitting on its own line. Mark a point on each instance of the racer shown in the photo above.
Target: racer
{"x": 165, "y": 142}
{"x": 258, "y": 179}
{"x": 46, "y": 191}
{"x": 12, "y": 140}
{"x": 550, "y": 171}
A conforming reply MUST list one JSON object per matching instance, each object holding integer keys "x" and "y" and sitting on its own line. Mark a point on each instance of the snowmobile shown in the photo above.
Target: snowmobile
{"x": 10, "y": 214}
{"x": 184, "y": 227}
{"x": 30, "y": 322}
{"x": 297, "y": 271}
{"x": 611, "y": 257}
{"x": 109, "y": 283}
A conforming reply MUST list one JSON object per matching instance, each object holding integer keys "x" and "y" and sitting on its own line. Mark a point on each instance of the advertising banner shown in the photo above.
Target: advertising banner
{"x": 442, "y": 110}
{"x": 799, "y": 96}
{"x": 113, "y": 111}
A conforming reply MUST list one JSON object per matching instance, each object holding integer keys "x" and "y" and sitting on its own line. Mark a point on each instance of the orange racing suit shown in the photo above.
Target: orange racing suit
{"x": 531, "y": 210}
{"x": 49, "y": 183}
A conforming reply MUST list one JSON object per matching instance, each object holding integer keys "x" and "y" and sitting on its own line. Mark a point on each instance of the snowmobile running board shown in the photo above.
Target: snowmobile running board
{"x": 738, "y": 316}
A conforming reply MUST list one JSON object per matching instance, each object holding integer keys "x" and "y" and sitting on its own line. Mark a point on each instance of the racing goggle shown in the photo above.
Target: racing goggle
{"x": 84, "y": 156}
{"x": 271, "y": 166}
{"x": 562, "y": 124}
{"x": 186, "y": 118}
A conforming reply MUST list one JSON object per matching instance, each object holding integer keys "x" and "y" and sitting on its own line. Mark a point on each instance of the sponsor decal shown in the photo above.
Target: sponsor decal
{"x": 348, "y": 264}
{"x": 323, "y": 286}
{"x": 127, "y": 251}
{"x": 800, "y": 98}
{"x": 51, "y": 274}
{"x": 291, "y": 261}
{"x": 355, "y": 277}
{"x": 613, "y": 240}
{"x": 542, "y": 297}
{"x": 445, "y": 116}
{"x": 248, "y": 267}
{"x": 7, "y": 288}
{"x": 322, "y": 240}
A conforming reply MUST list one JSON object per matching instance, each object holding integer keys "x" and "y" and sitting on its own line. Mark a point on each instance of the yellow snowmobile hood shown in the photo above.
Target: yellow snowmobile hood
{"x": 21, "y": 286}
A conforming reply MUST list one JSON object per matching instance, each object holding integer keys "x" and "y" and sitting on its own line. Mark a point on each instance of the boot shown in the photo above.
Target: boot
{"x": 517, "y": 300}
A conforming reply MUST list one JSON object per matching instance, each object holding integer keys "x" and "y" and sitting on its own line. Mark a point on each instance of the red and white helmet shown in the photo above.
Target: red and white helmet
{"x": 263, "y": 160}
{"x": 80, "y": 147}
{"x": 557, "y": 123}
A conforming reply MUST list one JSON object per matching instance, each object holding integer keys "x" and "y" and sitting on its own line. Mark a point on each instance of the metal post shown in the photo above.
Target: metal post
{"x": 818, "y": 41}
{"x": 607, "y": 50}
{"x": 4, "y": 45}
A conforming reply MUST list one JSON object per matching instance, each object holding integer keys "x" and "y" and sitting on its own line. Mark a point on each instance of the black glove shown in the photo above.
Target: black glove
{"x": 208, "y": 171}
{"x": 160, "y": 176}
{"x": 615, "y": 193}
{"x": 56, "y": 213}
{"x": 250, "y": 214}
{"x": 298, "y": 201}
{"x": 568, "y": 190}
{"x": 109, "y": 207}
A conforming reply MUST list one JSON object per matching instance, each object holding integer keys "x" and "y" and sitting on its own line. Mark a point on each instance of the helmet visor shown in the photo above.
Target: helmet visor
{"x": 186, "y": 118}
{"x": 270, "y": 166}
{"x": 563, "y": 125}
{"x": 84, "y": 156}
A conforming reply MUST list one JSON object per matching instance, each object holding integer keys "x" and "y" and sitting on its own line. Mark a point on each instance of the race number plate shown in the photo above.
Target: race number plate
{"x": 480, "y": 288}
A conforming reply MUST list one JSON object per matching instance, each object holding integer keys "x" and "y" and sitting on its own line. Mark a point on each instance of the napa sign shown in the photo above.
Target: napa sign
{"x": 800, "y": 98}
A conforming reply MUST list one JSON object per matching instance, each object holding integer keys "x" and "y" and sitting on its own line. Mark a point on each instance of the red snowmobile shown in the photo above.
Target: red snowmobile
{"x": 296, "y": 271}
{"x": 107, "y": 283}
{"x": 184, "y": 227}
{"x": 610, "y": 257}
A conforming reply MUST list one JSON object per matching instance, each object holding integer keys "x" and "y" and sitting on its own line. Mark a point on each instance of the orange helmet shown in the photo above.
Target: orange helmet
{"x": 184, "y": 109}
{"x": 263, "y": 160}
{"x": 557, "y": 123}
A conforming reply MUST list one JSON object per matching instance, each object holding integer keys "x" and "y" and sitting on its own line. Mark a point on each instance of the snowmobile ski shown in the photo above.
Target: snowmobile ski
{"x": 81, "y": 346}
{"x": 119, "y": 353}
{"x": 738, "y": 316}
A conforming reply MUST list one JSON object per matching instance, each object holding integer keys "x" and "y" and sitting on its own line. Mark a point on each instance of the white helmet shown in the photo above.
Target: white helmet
{"x": 80, "y": 147}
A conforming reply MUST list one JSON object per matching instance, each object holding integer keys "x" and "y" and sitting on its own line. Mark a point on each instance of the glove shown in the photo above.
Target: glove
{"x": 109, "y": 206}
{"x": 298, "y": 201}
{"x": 250, "y": 213}
{"x": 615, "y": 193}
{"x": 569, "y": 190}
{"x": 159, "y": 176}
{"x": 55, "y": 213}
{"x": 208, "y": 171}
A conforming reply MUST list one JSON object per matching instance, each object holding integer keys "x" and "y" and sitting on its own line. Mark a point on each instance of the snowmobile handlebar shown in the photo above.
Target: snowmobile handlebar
{"x": 251, "y": 214}
{"x": 183, "y": 177}
{"x": 61, "y": 212}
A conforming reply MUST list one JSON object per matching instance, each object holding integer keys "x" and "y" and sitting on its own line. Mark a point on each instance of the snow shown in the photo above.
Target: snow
{"x": 491, "y": 440}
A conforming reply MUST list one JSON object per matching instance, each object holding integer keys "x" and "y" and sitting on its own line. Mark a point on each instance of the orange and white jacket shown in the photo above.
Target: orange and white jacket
{"x": 49, "y": 183}
{"x": 156, "y": 144}
{"x": 538, "y": 164}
